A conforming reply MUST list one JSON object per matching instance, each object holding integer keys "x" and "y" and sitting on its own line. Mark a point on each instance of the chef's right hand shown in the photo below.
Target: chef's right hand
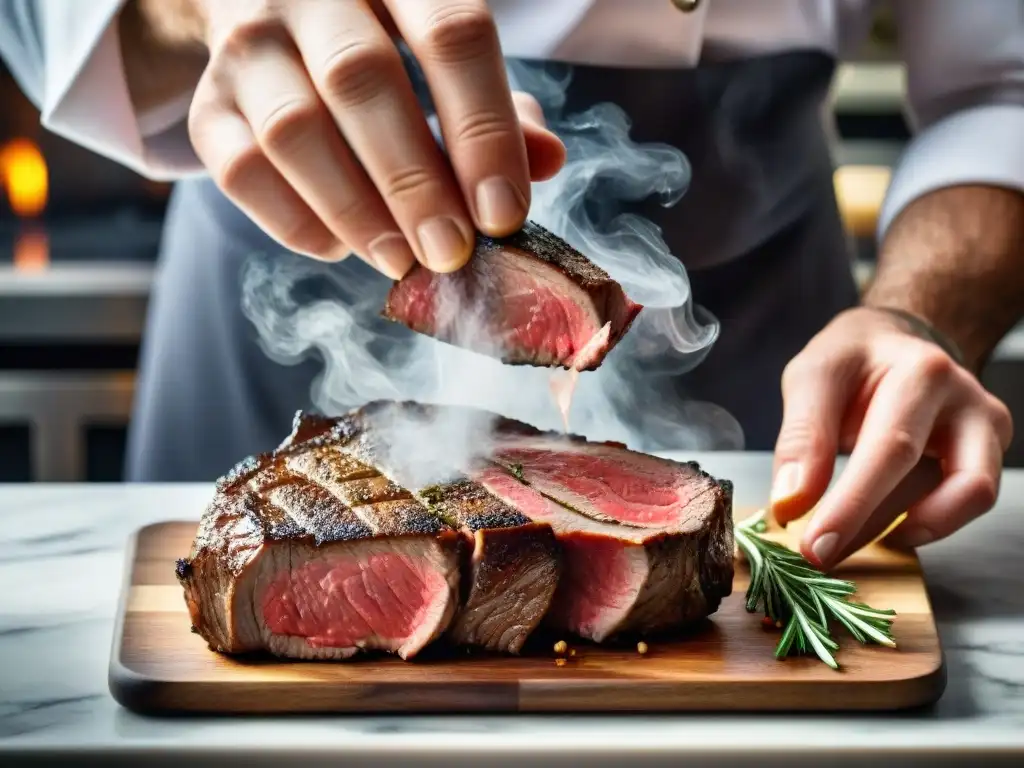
{"x": 306, "y": 119}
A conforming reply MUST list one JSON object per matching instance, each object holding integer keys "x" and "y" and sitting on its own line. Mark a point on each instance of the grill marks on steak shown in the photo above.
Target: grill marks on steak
{"x": 322, "y": 547}
{"x": 540, "y": 302}
{"x": 285, "y": 563}
{"x": 512, "y": 572}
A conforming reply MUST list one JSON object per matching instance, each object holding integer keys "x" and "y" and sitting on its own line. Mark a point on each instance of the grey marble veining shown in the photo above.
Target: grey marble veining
{"x": 61, "y": 566}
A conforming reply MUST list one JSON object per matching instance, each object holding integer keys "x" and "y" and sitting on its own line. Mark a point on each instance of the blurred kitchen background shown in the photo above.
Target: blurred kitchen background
{"x": 79, "y": 236}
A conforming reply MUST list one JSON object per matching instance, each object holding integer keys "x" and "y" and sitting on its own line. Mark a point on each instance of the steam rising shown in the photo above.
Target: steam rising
{"x": 300, "y": 306}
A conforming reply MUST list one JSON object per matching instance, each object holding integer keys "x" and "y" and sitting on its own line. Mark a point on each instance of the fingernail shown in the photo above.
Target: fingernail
{"x": 917, "y": 538}
{"x": 787, "y": 482}
{"x": 825, "y": 546}
{"x": 500, "y": 206}
{"x": 444, "y": 246}
{"x": 391, "y": 255}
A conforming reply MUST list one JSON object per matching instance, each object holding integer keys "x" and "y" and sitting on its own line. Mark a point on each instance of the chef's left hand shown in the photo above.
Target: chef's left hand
{"x": 868, "y": 385}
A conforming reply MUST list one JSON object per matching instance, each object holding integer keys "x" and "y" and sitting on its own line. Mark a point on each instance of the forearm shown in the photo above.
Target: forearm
{"x": 162, "y": 49}
{"x": 955, "y": 258}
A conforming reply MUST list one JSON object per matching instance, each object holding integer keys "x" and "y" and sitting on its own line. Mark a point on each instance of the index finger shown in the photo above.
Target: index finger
{"x": 456, "y": 44}
{"x": 896, "y": 428}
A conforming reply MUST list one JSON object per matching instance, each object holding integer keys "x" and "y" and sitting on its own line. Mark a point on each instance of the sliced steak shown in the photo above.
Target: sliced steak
{"x": 647, "y": 544}
{"x": 527, "y": 299}
{"x": 329, "y": 545}
{"x": 512, "y": 572}
{"x": 283, "y": 563}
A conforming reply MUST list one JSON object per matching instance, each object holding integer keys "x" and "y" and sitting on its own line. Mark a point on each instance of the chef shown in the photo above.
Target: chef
{"x": 295, "y": 123}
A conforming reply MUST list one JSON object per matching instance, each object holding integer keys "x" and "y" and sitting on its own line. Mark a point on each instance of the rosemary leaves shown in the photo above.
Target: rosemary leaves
{"x": 803, "y": 600}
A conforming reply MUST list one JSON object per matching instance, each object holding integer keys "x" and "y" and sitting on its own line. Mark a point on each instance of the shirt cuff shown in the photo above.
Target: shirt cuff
{"x": 523, "y": 37}
{"x": 980, "y": 145}
{"x": 87, "y": 101}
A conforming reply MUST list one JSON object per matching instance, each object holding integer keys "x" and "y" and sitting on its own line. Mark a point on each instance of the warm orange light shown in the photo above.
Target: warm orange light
{"x": 860, "y": 190}
{"x": 24, "y": 177}
{"x": 31, "y": 251}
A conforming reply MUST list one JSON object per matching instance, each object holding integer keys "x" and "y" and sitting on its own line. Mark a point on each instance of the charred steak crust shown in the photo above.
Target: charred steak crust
{"x": 717, "y": 548}
{"x": 546, "y": 246}
{"x": 514, "y": 569}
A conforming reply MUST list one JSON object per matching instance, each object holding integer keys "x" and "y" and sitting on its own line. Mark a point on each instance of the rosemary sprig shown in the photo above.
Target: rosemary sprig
{"x": 803, "y": 599}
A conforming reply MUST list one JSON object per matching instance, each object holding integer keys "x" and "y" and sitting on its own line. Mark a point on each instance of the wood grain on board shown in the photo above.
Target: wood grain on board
{"x": 726, "y": 664}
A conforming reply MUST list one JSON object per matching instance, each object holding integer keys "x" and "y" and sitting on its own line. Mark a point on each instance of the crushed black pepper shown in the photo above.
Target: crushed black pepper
{"x": 182, "y": 568}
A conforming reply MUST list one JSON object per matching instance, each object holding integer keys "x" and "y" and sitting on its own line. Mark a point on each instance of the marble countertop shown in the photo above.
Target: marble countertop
{"x": 61, "y": 564}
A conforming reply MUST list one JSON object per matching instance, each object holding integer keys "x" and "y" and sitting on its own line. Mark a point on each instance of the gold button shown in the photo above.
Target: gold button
{"x": 686, "y": 5}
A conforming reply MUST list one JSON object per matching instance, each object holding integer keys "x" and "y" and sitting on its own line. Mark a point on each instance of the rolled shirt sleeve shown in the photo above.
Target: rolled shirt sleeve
{"x": 66, "y": 55}
{"x": 965, "y": 92}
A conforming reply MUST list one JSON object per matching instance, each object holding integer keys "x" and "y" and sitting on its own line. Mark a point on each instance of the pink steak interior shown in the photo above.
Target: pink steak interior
{"x": 602, "y": 574}
{"x": 342, "y": 601}
{"x": 601, "y": 580}
{"x": 636, "y": 490}
{"x": 533, "y": 311}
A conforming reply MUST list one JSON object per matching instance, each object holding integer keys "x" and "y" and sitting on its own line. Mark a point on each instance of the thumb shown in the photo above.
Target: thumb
{"x": 814, "y": 400}
{"x": 544, "y": 150}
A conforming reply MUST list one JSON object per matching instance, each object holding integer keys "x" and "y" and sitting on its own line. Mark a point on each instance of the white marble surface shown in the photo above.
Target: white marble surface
{"x": 61, "y": 559}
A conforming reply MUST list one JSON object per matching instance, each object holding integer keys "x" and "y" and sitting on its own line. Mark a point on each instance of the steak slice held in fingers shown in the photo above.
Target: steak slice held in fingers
{"x": 528, "y": 299}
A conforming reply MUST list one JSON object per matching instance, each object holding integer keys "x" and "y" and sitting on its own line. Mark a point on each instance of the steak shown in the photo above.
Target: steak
{"x": 322, "y": 501}
{"x": 513, "y": 565}
{"x": 283, "y": 564}
{"x": 528, "y": 299}
{"x": 647, "y": 543}
{"x": 330, "y": 545}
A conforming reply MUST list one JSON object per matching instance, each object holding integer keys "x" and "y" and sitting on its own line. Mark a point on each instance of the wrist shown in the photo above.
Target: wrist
{"x": 162, "y": 49}
{"x": 921, "y": 328}
{"x": 952, "y": 259}
{"x": 172, "y": 24}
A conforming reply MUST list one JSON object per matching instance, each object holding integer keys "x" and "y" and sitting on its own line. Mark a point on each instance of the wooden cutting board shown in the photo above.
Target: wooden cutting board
{"x": 158, "y": 665}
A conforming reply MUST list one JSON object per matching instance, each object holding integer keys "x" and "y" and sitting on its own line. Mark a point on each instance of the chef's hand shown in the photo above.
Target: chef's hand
{"x": 870, "y": 385}
{"x": 306, "y": 119}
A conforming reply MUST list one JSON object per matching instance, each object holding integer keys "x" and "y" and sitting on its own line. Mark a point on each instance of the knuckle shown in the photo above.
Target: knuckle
{"x": 902, "y": 448}
{"x": 347, "y": 214}
{"x": 982, "y": 491}
{"x": 236, "y": 171}
{"x": 810, "y": 368}
{"x": 459, "y": 32}
{"x": 408, "y": 182}
{"x": 199, "y": 115}
{"x": 359, "y": 71}
{"x": 308, "y": 235}
{"x": 483, "y": 126}
{"x": 243, "y": 37}
{"x": 799, "y": 437}
{"x": 793, "y": 373}
{"x": 935, "y": 368}
{"x": 288, "y": 124}
{"x": 1002, "y": 420}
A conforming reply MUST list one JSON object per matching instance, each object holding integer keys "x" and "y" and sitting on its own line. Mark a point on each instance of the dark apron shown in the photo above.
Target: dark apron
{"x": 758, "y": 231}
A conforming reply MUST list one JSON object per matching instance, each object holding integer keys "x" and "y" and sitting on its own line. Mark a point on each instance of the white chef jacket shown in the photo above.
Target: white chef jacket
{"x": 964, "y": 59}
